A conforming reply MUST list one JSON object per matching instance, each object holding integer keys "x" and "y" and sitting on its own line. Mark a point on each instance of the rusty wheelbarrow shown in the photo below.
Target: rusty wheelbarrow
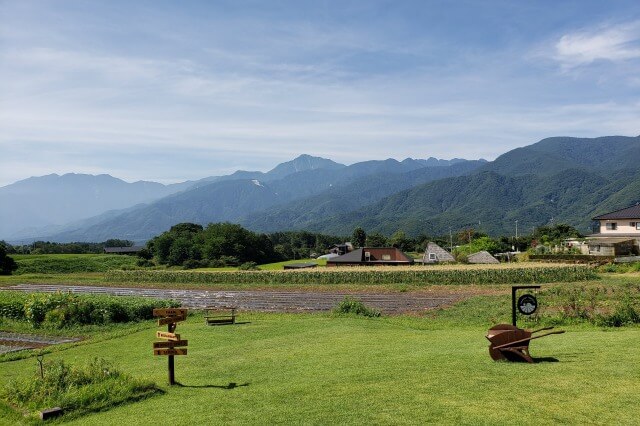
{"x": 512, "y": 343}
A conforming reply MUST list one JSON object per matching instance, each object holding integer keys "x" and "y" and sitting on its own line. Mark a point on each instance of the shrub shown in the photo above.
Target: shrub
{"x": 145, "y": 263}
{"x": 12, "y": 304}
{"x": 248, "y": 266}
{"x": 624, "y": 314}
{"x": 355, "y": 307}
{"x": 94, "y": 386}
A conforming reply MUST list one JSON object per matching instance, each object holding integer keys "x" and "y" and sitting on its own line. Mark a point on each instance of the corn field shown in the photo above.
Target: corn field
{"x": 369, "y": 275}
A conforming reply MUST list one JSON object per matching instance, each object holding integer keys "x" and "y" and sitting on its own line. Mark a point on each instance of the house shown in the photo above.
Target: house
{"x": 482, "y": 257}
{"x": 123, "y": 250}
{"x": 618, "y": 233}
{"x": 436, "y": 254}
{"x": 341, "y": 249}
{"x": 372, "y": 256}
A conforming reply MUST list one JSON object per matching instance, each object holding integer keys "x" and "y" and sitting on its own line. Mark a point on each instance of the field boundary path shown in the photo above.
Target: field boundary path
{"x": 266, "y": 301}
{"x": 12, "y": 342}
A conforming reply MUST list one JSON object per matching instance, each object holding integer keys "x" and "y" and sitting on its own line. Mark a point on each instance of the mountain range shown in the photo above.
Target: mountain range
{"x": 559, "y": 179}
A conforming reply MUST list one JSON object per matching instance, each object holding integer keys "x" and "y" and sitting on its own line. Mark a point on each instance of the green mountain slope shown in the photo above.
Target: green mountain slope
{"x": 229, "y": 200}
{"x": 491, "y": 202}
{"x": 348, "y": 196}
{"x": 551, "y": 155}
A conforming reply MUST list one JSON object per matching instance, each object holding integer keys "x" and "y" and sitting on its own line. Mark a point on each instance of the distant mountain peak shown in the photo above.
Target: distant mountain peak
{"x": 302, "y": 163}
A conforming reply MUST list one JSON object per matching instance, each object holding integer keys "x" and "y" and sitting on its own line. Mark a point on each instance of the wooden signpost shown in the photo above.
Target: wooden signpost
{"x": 172, "y": 345}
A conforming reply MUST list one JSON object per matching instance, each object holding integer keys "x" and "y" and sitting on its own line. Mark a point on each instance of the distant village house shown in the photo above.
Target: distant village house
{"x": 618, "y": 234}
{"x": 123, "y": 250}
{"x": 436, "y": 254}
{"x": 372, "y": 256}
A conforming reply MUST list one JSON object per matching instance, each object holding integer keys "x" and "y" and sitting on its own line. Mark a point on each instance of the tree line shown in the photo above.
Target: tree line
{"x": 225, "y": 244}
{"x": 47, "y": 247}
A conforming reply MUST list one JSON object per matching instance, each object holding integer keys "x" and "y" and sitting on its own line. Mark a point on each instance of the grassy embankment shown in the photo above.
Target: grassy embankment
{"x": 323, "y": 369}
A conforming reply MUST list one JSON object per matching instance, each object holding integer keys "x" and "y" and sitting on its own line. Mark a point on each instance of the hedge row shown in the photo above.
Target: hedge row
{"x": 365, "y": 275}
{"x": 66, "y": 309}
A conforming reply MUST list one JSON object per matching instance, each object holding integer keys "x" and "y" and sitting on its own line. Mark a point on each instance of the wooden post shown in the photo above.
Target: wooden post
{"x": 172, "y": 373}
{"x": 171, "y": 327}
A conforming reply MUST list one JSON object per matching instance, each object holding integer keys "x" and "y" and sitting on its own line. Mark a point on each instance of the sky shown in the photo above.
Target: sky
{"x": 178, "y": 90}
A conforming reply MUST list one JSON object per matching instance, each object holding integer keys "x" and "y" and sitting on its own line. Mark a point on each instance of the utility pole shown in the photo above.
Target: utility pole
{"x": 516, "y": 230}
{"x": 450, "y": 240}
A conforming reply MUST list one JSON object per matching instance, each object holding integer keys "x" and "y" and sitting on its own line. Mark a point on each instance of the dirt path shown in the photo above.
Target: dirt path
{"x": 267, "y": 301}
{"x": 11, "y": 342}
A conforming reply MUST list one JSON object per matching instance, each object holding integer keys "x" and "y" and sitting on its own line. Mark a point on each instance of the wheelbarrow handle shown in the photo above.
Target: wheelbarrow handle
{"x": 506, "y": 345}
{"x": 542, "y": 329}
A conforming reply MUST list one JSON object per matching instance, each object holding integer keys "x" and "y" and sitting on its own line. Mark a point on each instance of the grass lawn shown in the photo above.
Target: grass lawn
{"x": 321, "y": 369}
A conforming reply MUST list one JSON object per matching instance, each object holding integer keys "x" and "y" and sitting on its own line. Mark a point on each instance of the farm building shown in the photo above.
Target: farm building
{"x": 611, "y": 246}
{"x": 341, "y": 249}
{"x": 123, "y": 250}
{"x": 372, "y": 256}
{"x": 618, "y": 233}
{"x": 482, "y": 257}
{"x": 436, "y": 254}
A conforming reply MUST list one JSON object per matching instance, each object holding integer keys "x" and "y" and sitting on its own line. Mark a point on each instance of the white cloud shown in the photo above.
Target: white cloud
{"x": 613, "y": 43}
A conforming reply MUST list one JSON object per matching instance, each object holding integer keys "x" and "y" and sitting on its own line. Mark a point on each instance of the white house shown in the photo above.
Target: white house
{"x": 618, "y": 233}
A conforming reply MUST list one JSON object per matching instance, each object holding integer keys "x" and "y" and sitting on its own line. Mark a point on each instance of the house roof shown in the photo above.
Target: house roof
{"x": 353, "y": 256}
{"x": 441, "y": 254}
{"x": 357, "y": 256}
{"x": 482, "y": 257}
{"x": 611, "y": 235}
{"x": 632, "y": 212}
{"x": 608, "y": 241}
{"x": 133, "y": 249}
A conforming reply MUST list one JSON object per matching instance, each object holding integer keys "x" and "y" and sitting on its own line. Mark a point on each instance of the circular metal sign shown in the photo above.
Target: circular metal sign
{"x": 527, "y": 304}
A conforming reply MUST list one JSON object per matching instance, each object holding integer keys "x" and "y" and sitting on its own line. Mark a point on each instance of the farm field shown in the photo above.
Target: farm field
{"x": 319, "y": 369}
{"x": 70, "y": 263}
{"x": 56, "y": 269}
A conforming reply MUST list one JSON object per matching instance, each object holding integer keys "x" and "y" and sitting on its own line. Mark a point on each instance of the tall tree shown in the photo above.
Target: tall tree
{"x": 7, "y": 264}
{"x": 359, "y": 237}
{"x": 376, "y": 240}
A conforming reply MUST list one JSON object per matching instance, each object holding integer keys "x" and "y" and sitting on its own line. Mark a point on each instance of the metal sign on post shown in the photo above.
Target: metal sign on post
{"x": 527, "y": 303}
{"x": 173, "y": 345}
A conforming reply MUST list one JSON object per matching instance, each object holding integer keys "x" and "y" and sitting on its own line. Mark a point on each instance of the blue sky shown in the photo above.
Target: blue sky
{"x": 170, "y": 91}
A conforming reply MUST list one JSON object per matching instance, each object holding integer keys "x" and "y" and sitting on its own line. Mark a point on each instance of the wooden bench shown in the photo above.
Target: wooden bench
{"x": 220, "y": 316}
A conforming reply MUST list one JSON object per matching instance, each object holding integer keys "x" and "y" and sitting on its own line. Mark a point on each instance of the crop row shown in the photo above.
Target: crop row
{"x": 364, "y": 276}
{"x": 65, "y": 309}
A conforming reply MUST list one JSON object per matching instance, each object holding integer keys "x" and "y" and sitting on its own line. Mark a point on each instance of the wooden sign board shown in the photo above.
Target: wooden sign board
{"x": 170, "y": 312}
{"x": 171, "y": 320}
{"x": 170, "y": 344}
{"x": 182, "y": 351}
{"x": 167, "y": 336}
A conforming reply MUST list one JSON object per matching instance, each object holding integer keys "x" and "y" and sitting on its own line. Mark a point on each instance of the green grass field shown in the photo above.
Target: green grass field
{"x": 322, "y": 369}
{"x": 319, "y": 369}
